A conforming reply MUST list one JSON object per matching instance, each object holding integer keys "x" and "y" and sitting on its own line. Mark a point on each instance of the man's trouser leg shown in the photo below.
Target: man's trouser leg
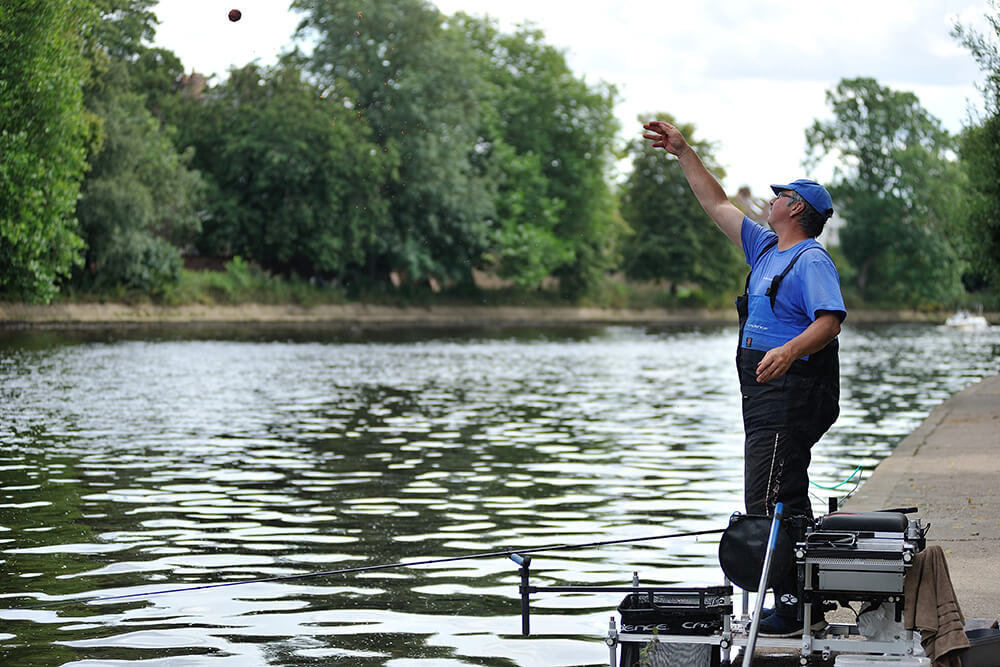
{"x": 782, "y": 420}
{"x": 775, "y": 471}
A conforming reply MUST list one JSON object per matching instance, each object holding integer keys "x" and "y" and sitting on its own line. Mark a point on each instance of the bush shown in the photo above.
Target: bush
{"x": 243, "y": 282}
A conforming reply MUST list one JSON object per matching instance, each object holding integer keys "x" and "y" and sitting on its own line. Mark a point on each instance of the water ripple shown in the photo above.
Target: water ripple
{"x": 138, "y": 462}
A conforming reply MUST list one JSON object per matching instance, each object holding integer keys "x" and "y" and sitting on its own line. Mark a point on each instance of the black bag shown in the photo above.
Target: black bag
{"x": 744, "y": 545}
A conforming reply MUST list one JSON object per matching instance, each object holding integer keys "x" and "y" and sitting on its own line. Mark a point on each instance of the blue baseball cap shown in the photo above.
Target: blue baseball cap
{"x": 812, "y": 192}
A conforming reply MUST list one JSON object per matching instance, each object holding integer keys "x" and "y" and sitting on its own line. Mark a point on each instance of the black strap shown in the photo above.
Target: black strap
{"x": 772, "y": 290}
{"x": 774, "y": 242}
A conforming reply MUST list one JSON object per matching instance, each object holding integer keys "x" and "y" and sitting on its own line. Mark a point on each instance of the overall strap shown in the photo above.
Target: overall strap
{"x": 771, "y": 244}
{"x": 772, "y": 290}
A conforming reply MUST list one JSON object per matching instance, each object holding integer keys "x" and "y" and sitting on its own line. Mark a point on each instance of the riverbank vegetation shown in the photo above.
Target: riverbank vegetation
{"x": 416, "y": 157}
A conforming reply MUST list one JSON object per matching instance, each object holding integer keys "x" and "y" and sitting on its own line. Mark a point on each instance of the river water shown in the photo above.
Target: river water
{"x": 140, "y": 461}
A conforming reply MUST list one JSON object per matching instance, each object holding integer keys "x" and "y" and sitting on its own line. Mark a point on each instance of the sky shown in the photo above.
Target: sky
{"x": 750, "y": 75}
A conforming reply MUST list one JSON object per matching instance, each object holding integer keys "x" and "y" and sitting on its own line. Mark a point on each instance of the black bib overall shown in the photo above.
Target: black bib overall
{"x": 784, "y": 418}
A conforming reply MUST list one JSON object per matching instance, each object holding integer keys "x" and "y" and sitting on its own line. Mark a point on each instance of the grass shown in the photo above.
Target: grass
{"x": 245, "y": 283}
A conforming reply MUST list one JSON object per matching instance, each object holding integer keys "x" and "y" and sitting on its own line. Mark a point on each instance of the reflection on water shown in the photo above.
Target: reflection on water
{"x": 141, "y": 461}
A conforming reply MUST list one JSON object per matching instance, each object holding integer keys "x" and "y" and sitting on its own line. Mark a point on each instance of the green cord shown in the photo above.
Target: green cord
{"x": 837, "y": 486}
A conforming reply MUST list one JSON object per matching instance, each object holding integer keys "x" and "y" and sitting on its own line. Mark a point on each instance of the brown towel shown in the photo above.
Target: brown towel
{"x": 931, "y": 607}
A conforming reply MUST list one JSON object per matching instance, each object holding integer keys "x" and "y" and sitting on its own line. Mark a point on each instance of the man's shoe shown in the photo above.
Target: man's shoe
{"x": 778, "y": 625}
{"x": 765, "y": 612}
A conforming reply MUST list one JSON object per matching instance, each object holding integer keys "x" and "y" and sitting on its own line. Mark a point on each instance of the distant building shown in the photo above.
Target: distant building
{"x": 192, "y": 85}
{"x": 754, "y": 208}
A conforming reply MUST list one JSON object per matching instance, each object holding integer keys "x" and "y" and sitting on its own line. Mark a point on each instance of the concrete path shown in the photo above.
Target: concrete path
{"x": 949, "y": 468}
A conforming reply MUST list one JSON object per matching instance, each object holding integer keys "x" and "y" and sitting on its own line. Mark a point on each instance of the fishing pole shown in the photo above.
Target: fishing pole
{"x": 371, "y": 568}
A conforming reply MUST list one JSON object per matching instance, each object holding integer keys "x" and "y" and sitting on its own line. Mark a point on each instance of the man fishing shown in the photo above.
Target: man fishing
{"x": 787, "y": 358}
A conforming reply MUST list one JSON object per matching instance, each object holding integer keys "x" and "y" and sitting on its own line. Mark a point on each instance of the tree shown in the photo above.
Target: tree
{"x": 416, "y": 86}
{"x": 139, "y": 201}
{"x": 525, "y": 244}
{"x": 549, "y": 136}
{"x": 296, "y": 179}
{"x": 157, "y": 74}
{"x": 124, "y": 26}
{"x": 672, "y": 238}
{"x": 980, "y": 157}
{"x": 43, "y": 136}
{"x": 898, "y": 187}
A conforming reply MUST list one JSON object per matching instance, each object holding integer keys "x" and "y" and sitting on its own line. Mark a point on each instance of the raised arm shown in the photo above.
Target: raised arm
{"x": 710, "y": 194}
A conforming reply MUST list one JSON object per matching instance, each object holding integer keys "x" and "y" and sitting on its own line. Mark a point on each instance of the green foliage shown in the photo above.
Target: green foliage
{"x": 672, "y": 237}
{"x": 43, "y": 133}
{"x": 899, "y": 189}
{"x": 297, "y": 184}
{"x": 417, "y": 144}
{"x": 550, "y": 137}
{"x": 526, "y": 247}
{"x": 980, "y": 151}
{"x": 138, "y": 201}
{"x": 416, "y": 85}
{"x": 503, "y": 153}
{"x": 118, "y": 56}
{"x": 155, "y": 74}
{"x": 245, "y": 283}
{"x": 134, "y": 260}
{"x": 123, "y": 27}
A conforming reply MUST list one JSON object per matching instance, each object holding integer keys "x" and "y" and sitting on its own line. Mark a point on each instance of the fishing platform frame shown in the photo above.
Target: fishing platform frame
{"x": 845, "y": 558}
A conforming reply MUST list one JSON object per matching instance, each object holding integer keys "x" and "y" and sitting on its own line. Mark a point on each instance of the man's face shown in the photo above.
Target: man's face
{"x": 783, "y": 206}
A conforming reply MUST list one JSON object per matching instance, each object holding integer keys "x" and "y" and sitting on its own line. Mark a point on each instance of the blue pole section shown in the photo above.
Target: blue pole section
{"x": 772, "y": 542}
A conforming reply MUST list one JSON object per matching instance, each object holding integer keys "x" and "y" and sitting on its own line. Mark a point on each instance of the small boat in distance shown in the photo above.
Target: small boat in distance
{"x": 967, "y": 321}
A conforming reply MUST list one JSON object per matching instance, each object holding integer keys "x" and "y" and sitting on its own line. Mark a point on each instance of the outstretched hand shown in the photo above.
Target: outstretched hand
{"x": 665, "y": 136}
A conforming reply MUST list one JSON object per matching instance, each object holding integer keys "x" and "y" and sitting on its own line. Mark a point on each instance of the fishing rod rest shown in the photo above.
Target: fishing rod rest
{"x": 524, "y": 563}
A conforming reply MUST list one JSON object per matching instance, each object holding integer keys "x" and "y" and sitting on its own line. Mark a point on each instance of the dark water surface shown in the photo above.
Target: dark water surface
{"x": 142, "y": 460}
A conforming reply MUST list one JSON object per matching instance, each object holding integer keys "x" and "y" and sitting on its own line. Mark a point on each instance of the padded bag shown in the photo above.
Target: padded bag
{"x": 744, "y": 545}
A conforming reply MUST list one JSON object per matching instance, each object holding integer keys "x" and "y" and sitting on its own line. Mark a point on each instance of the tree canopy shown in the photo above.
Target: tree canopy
{"x": 415, "y": 85}
{"x": 43, "y": 143}
{"x": 672, "y": 238}
{"x": 296, "y": 182}
{"x": 898, "y": 186}
{"x": 980, "y": 157}
{"x": 417, "y": 146}
{"x": 139, "y": 202}
{"x": 503, "y": 152}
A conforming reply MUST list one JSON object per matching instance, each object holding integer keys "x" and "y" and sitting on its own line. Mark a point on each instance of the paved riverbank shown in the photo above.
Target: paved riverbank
{"x": 17, "y": 315}
{"x": 949, "y": 468}
{"x": 343, "y": 315}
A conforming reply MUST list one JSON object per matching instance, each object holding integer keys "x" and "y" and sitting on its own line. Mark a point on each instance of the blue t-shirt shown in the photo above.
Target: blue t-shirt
{"x": 812, "y": 285}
